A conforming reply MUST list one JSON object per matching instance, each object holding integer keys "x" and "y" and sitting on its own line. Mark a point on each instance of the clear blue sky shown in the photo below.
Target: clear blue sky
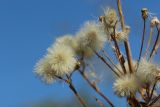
{"x": 28, "y": 27}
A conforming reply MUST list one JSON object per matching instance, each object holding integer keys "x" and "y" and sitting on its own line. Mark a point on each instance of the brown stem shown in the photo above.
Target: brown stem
{"x": 119, "y": 55}
{"x": 71, "y": 86}
{"x": 154, "y": 101}
{"x": 95, "y": 88}
{"x": 149, "y": 42}
{"x": 156, "y": 45}
{"x": 99, "y": 102}
{"x": 117, "y": 50}
{"x": 100, "y": 57}
{"x": 126, "y": 43}
{"x": 111, "y": 61}
{"x": 142, "y": 42}
{"x": 150, "y": 97}
{"x": 132, "y": 101}
{"x": 77, "y": 95}
{"x": 121, "y": 14}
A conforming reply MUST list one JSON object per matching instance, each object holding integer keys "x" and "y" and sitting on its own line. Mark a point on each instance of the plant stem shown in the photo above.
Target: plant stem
{"x": 154, "y": 101}
{"x": 71, "y": 86}
{"x": 77, "y": 95}
{"x": 150, "y": 97}
{"x": 156, "y": 45}
{"x": 132, "y": 101}
{"x": 106, "y": 63}
{"x": 118, "y": 52}
{"x": 149, "y": 42}
{"x": 126, "y": 43}
{"x": 111, "y": 61}
{"x": 95, "y": 88}
{"x": 99, "y": 102}
{"x": 142, "y": 42}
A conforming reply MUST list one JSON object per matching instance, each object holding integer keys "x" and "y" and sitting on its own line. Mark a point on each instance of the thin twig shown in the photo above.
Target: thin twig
{"x": 111, "y": 61}
{"x": 132, "y": 101}
{"x": 149, "y": 42}
{"x": 153, "y": 88}
{"x": 142, "y": 41}
{"x": 100, "y": 57}
{"x": 77, "y": 95}
{"x": 95, "y": 88}
{"x": 99, "y": 102}
{"x": 126, "y": 43}
{"x": 118, "y": 52}
{"x": 156, "y": 45}
{"x": 154, "y": 101}
{"x": 71, "y": 86}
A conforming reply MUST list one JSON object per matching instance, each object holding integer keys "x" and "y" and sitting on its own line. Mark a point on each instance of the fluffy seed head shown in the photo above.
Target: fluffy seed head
{"x": 147, "y": 72}
{"x": 110, "y": 17}
{"x": 121, "y": 36}
{"x": 125, "y": 85}
{"x": 154, "y": 22}
{"x": 44, "y": 71}
{"x": 90, "y": 38}
{"x": 62, "y": 59}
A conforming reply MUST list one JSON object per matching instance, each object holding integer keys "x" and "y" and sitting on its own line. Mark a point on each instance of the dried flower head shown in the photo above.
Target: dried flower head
{"x": 110, "y": 17}
{"x": 89, "y": 38}
{"x": 154, "y": 22}
{"x": 147, "y": 72}
{"x": 121, "y": 36}
{"x": 144, "y": 13}
{"x": 62, "y": 59}
{"x": 126, "y": 85}
{"x": 44, "y": 71}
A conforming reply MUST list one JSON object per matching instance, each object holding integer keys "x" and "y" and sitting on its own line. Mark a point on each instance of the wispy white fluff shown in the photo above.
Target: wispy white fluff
{"x": 110, "y": 17}
{"x": 44, "y": 71}
{"x": 125, "y": 85}
{"x": 62, "y": 59}
{"x": 121, "y": 36}
{"x": 67, "y": 40}
{"x": 147, "y": 72}
{"x": 90, "y": 38}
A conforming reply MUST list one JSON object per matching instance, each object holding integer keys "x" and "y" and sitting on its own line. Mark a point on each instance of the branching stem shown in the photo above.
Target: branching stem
{"x": 126, "y": 43}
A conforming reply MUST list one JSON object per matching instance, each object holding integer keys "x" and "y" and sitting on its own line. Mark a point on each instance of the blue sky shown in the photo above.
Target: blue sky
{"x": 28, "y": 27}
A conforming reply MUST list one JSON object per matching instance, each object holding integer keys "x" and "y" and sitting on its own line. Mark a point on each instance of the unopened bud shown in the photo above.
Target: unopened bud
{"x": 154, "y": 22}
{"x": 144, "y": 13}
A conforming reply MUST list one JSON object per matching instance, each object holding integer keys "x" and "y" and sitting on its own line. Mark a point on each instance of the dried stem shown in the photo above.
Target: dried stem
{"x": 110, "y": 60}
{"x": 71, "y": 86}
{"x": 118, "y": 53}
{"x": 99, "y": 102}
{"x": 100, "y": 57}
{"x": 142, "y": 42}
{"x": 149, "y": 42}
{"x": 95, "y": 88}
{"x": 126, "y": 43}
{"x": 153, "y": 88}
{"x": 132, "y": 101}
{"x": 117, "y": 50}
{"x": 77, "y": 95}
{"x": 154, "y": 101}
{"x": 156, "y": 45}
